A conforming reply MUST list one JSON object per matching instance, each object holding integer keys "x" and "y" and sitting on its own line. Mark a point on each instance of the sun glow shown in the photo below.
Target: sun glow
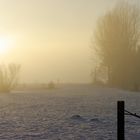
{"x": 5, "y": 44}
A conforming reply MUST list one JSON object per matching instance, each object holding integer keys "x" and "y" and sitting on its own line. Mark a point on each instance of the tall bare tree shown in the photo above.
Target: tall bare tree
{"x": 117, "y": 39}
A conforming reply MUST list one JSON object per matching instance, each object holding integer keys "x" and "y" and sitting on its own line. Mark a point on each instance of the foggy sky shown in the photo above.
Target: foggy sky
{"x": 52, "y": 37}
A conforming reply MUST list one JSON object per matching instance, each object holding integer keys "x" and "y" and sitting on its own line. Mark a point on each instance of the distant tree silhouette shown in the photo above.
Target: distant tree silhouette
{"x": 51, "y": 85}
{"x": 116, "y": 44}
{"x": 8, "y": 77}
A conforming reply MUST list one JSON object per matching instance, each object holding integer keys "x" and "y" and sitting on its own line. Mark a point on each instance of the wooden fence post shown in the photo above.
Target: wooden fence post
{"x": 120, "y": 120}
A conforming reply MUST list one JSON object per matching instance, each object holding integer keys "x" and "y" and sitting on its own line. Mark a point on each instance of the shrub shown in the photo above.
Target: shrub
{"x": 51, "y": 85}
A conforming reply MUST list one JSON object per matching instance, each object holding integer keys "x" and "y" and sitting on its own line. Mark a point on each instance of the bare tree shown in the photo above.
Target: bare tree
{"x": 117, "y": 38}
{"x": 8, "y": 77}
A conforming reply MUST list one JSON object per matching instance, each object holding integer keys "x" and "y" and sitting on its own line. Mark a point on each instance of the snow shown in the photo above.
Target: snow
{"x": 72, "y": 112}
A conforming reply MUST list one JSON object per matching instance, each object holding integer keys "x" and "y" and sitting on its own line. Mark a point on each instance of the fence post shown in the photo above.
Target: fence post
{"x": 120, "y": 120}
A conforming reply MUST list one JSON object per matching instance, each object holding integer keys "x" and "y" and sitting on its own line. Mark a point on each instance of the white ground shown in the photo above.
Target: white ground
{"x": 47, "y": 115}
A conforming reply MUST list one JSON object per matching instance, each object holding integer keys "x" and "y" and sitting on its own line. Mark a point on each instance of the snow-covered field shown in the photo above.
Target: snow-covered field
{"x": 51, "y": 114}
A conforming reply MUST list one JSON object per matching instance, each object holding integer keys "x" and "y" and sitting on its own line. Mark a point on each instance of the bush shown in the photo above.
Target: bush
{"x": 51, "y": 85}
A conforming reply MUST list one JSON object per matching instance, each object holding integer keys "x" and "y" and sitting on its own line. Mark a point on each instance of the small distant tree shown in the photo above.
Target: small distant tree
{"x": 9, "y": 77}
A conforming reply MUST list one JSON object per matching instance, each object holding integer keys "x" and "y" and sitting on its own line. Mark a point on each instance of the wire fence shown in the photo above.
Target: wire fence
{"x": 121, "y": 112}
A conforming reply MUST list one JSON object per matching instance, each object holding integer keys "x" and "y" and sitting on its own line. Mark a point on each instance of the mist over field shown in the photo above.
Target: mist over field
{"x": 64, "y": 65}
{"x": 51, "y": 39}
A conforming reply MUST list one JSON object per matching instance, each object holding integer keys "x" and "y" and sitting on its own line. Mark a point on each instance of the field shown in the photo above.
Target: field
{"x": 70, "y": 112}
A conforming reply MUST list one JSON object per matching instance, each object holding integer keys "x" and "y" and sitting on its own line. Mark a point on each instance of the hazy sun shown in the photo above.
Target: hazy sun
{"x": 5, "y": 44}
